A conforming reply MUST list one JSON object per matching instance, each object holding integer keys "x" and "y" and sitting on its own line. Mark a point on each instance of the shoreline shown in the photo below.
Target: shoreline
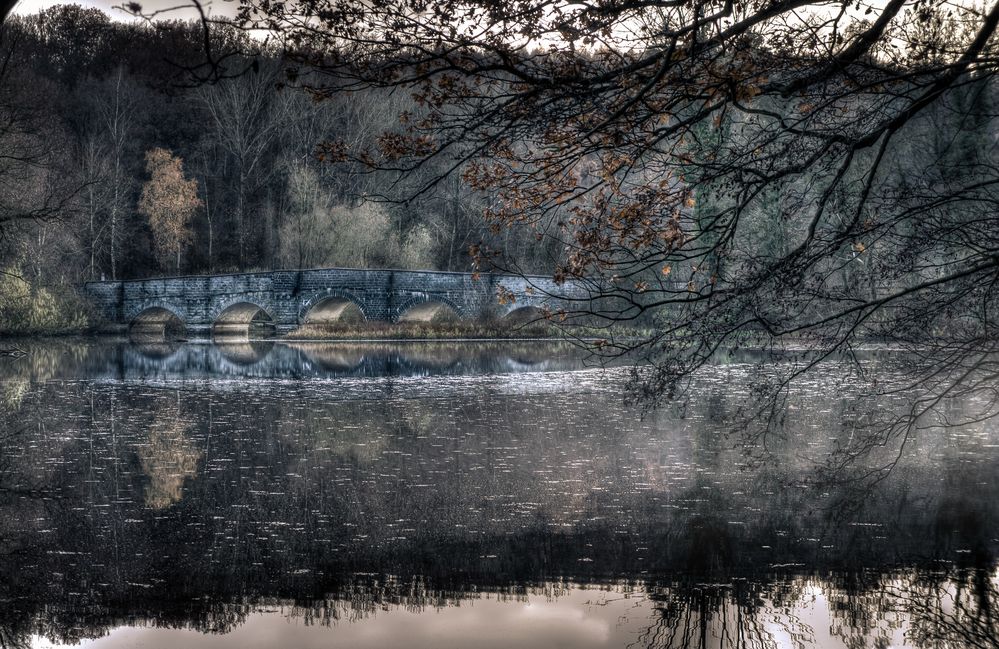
{"x": 365, "y": 334}
{"x": 9, "y": 342}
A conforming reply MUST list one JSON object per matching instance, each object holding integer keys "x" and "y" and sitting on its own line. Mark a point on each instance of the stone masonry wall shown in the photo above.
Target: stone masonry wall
{"x": 287, "y": 295}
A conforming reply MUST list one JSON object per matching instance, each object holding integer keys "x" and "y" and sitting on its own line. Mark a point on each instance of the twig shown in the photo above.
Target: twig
{"x": 12, "y": 352}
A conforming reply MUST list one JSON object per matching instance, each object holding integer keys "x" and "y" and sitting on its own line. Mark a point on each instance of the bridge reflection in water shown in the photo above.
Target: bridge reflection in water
{"x": 268, "y": 359}
{"x": 460, "y": 506}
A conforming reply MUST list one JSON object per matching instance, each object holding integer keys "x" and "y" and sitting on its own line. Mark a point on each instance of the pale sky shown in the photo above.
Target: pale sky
{"x": 183, "y": 9}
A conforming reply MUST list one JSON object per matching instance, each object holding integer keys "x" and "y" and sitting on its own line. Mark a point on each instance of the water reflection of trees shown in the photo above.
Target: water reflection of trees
{"x": 962, "y": 612}
{"x": 699, "y": 616}
{"x": 167, "y": 457}
{"x": 951, "y": 608}
{"x": 200, "y": 507}
{"x": 946, "y": 607}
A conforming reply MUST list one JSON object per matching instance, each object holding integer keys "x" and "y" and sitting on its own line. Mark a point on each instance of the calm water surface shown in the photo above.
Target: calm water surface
{"x": 454, "y": 495}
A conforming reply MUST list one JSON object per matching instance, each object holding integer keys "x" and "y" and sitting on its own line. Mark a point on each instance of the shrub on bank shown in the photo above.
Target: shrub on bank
{"x": 28, "y": 309}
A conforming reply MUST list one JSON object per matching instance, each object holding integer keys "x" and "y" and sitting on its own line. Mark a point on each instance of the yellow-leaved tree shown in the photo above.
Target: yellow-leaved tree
{"x": 169, "y": 201}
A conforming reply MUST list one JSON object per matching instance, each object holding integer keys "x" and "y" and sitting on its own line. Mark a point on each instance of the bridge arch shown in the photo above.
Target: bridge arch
{"x": 521, "y": 315}
{"x": 242, "y": 319}
{"x": 428, "y": 308}
{"x": 330, "y": 306}
{"x": 156, "y": 323}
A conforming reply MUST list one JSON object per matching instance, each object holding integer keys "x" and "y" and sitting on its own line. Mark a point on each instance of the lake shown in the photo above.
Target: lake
{"x": 490, "y": 494}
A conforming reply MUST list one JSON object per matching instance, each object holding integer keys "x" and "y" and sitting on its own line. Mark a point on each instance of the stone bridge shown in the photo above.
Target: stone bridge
{"x": 287, "y": 299}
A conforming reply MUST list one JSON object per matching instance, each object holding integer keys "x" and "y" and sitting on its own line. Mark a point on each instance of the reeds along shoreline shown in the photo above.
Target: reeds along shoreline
{"x": 422, "y": 330}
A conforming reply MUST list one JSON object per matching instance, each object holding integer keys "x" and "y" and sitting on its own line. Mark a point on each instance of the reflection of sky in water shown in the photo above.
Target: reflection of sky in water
{"x": 573, "y": 618}
{"x": 570, "y": 621}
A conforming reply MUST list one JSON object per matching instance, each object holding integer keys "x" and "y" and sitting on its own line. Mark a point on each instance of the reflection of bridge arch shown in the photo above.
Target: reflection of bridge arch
{"x": 239, "y": 317}
{"x": 156, "y": 323}
{"x": 336, "y": 357}
{"x": 244, "y": 353}
{"x": 156, "y": 350}
{"x": 427, "y": 308}
{"x": 331, "y": 305}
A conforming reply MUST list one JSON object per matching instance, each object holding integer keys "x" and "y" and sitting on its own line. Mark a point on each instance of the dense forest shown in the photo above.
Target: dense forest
{"x": 104, "y": 121}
